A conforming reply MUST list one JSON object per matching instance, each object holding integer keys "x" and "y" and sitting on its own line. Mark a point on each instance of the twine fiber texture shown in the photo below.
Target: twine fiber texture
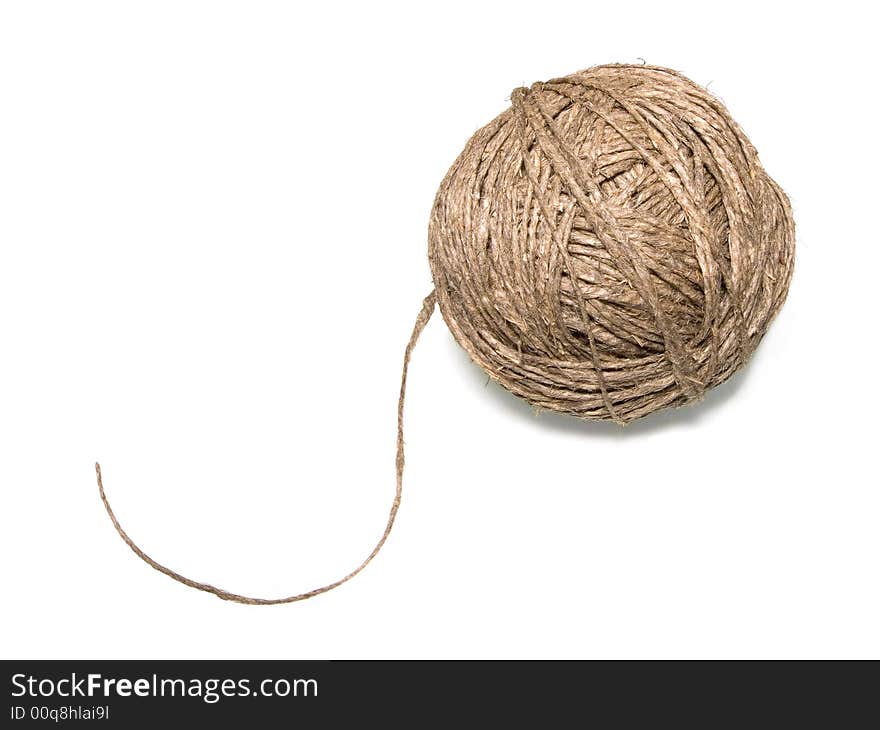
{"x": 610, "y": 245}
{"x": 607, "y": 247}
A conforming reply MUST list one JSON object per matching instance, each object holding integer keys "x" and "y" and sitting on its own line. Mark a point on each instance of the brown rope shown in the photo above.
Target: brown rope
{"x": 607, "y": 247}
{"x": 610, "y": 245}
{"x": 421, "y": 321}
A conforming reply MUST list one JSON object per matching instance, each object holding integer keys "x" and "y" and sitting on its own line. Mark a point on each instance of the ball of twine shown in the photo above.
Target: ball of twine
{"x": 607, "y": 247}
{"x": 610, "y": 245}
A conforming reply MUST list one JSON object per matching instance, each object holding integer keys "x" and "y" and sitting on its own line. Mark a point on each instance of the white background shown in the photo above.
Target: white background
{"x": 213, "y": 224}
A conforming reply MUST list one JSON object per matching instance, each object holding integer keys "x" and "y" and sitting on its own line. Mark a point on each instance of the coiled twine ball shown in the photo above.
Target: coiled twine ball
{"x": 610, "y": 245}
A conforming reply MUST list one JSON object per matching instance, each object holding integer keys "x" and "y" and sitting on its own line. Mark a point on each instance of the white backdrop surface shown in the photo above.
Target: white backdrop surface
{"x": 213, "y": 224}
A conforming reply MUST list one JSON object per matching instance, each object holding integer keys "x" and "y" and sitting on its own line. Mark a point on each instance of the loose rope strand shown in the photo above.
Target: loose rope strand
{"x": 421, "y": 321}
